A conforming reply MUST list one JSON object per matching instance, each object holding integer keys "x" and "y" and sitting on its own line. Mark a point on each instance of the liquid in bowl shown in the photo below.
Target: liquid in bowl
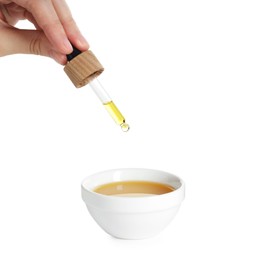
{"x": 133, "y": 189}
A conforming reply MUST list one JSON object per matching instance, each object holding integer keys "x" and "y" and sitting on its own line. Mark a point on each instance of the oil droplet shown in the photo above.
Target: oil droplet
{"x": 125, "y": 127}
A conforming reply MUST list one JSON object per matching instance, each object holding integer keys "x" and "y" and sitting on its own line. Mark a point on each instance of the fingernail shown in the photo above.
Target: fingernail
{"x": 67, "y": 46}
{"x": 83, "y": 42}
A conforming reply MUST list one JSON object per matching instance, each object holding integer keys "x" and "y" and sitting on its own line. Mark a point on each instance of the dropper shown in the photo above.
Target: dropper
{"x": 109, "y": 104}
{"x": 83, "y": 68}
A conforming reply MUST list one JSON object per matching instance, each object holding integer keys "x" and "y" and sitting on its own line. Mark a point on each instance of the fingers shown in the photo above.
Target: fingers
{"x": 69, "y": 25}
{"x": 56, "y": 30}
{"x": 30, "y": 18}
{"x": 28, "y": 42}
{"x": 48, "y": 20}
{"x": 55, "y": 19}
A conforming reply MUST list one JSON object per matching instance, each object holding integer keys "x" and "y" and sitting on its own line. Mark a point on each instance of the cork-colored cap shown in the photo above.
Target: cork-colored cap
{"x": 83, "y": 68}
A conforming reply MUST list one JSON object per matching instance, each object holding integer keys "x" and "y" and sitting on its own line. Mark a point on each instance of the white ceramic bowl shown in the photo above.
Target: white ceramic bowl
{"x": 132, "y": 217}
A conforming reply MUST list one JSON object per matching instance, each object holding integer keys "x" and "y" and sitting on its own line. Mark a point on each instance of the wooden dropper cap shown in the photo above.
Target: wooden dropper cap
{"x": 82, "y": 67}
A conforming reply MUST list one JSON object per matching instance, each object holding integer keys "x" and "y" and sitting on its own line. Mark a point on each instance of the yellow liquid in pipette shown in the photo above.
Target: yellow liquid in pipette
{"x": 116, "y": 115}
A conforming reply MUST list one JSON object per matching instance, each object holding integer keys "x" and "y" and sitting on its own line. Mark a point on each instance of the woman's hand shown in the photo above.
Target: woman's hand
{"x": 55, "y": 29}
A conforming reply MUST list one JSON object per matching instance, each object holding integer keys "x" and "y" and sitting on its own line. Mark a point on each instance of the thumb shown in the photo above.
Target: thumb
{"x": 15, "y": 41}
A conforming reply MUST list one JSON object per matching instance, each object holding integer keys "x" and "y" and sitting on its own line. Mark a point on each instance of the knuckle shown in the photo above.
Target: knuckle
{"x": 69, "y": 21}
{"x": 52, "y": 25}
{"x": 29, "y": 5}
{"x": 35, "y": 44}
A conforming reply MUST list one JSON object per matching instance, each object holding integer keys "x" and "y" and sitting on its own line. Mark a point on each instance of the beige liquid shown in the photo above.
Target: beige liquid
{"x": 133, "y": 188}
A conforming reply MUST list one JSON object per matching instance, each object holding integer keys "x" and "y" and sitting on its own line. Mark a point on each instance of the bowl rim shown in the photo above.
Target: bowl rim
{"x": 132, "y": 204}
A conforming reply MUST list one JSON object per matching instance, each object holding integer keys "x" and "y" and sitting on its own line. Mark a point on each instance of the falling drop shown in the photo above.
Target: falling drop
{"x": 125, "y": 127}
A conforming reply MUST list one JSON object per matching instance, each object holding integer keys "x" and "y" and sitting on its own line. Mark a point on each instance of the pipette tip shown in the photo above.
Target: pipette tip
{"x": 125, "y": 127}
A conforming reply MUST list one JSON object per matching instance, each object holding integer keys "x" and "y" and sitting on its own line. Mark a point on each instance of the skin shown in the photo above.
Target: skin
{"x": 54, "y": 29}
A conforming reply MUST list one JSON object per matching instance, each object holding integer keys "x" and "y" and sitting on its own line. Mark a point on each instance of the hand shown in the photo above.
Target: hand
{"x": 55, "y": 29}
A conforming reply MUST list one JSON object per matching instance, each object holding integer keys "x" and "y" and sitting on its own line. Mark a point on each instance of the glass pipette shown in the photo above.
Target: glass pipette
{"x": 82, "y": 69}
{"x": 109, "y": 104}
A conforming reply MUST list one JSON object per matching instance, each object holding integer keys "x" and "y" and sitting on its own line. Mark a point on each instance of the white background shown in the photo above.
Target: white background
{"x": 186, "y": 76}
